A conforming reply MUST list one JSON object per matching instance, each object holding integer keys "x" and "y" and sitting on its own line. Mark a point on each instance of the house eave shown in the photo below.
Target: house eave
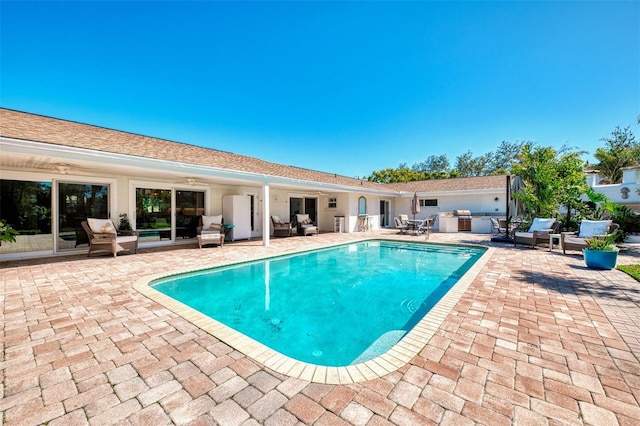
{"x": 9, "y": 146}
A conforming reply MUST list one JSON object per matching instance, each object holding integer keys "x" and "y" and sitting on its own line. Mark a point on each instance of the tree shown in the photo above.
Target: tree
{"x": 570, "y": 170}
{"x": 501, "y": 161}
{"x": 621, "y": 150}
{"x": 468, "y": 166}
{"x": 551, "y": 178}
{"x": 390, "y": 175}
{"x": 433, "y": 163}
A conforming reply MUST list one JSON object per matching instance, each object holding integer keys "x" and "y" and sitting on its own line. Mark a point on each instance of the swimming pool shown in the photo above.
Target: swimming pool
{"x": 333, "y": 307}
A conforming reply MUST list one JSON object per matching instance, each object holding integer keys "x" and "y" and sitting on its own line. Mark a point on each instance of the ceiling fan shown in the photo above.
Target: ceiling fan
{"x": 193, "y": 181}
{"x": 71, "y": 169}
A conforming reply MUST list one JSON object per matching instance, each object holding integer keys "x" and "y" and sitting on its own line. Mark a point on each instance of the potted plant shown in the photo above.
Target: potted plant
{"x": 601, "y": 251}
{"x": 124, "y": 228}
{"x": 7, "y": 233}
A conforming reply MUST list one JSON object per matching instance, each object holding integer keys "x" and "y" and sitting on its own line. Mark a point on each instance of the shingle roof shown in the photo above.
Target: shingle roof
{"x": 38, "y": 128}
{"x": 454, "y": 184}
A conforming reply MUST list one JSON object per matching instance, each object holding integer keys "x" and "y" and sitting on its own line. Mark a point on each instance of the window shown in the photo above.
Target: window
{"x": 332, "y": 203}
{"x": 26, "y": 206}
{"x": 429, "y": 203}
{"x": 362, "y": 205}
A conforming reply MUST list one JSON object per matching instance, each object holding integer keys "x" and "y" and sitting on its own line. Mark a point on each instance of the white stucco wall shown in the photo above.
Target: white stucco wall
{"x": 479, "y": 202}
{"x": 625, "y": 193}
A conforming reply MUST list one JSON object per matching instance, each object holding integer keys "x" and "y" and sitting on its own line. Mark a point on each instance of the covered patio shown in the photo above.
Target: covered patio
{"x": 536, "y": 339}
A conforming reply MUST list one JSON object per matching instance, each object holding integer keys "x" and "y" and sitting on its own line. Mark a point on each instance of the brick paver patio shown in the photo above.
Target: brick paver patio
{"x": 537, "y": 339}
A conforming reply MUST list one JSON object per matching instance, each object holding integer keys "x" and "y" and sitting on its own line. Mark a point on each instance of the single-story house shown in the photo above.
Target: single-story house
{"x": 55, "y": 173}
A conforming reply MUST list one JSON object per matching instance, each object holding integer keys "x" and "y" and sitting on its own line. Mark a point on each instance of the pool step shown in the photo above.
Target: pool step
{"x": 381, "y": 345}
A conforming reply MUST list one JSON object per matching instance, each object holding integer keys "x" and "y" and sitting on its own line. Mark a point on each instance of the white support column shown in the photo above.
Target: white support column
{"x": 266, "y": 214}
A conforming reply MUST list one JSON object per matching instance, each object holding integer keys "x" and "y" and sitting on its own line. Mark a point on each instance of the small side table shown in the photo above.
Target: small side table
{"x": 228, "y": 231}
{"x": 551, "y": 238}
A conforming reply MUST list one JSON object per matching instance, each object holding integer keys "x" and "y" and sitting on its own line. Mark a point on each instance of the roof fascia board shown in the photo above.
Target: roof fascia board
{"x": 26, "y": 147}
{"x": 456, "y": 193}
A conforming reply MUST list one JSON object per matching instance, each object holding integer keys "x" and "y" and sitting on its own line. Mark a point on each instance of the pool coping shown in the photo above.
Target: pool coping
{"x": 396, "y": 357}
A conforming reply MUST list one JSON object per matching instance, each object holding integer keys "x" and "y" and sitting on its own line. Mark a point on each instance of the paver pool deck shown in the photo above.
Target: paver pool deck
{"x": 536, "y": 339}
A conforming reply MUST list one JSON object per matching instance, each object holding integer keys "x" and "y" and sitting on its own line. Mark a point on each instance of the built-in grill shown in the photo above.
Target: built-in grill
{"x": 464, "y": 219}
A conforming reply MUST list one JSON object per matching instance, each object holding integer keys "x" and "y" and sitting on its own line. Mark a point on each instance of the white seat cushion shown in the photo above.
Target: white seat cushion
{"x": 210, "y": 235}
{"x": 524, "y": 234}
{"x": 126, "y": 239}
{"x": 576, "y": 241}
{"x": 206, "y": 231}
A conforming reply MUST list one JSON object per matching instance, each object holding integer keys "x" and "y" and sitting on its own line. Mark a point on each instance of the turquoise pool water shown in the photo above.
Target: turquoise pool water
{"x": 333, "y": 307}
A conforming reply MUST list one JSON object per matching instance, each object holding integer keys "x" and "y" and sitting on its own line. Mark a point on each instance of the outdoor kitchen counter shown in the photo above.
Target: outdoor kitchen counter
{"x": 448, "y": 222}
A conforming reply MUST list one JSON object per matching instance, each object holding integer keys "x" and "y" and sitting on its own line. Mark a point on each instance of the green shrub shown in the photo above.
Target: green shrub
{"x": 603, "y": 242}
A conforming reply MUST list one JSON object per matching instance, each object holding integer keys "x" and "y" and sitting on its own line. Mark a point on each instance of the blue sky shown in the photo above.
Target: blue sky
{"x": 342, "y": 87}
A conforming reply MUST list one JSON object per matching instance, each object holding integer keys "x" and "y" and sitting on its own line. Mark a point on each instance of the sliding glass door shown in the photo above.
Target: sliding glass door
{"x": 26, "y": 206}
{"x": 189, "y": 208}
{"x": 303, "y": 206}
{"x": 76, "y": 203}
{"x": 156, "y": 207}
{"x": 153, "y": 214}
{"x": 384, "y": 214}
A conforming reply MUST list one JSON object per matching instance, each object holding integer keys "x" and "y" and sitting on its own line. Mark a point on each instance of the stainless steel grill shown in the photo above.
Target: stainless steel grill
{"x": 464, "y": 219}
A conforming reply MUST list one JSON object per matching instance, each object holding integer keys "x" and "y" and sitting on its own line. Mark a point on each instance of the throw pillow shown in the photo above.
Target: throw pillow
{"x": 590, "y": 228}
{"x": 101, "y": 226}
{"x": 540, "y": 224}
{"x": 208, "y": 220}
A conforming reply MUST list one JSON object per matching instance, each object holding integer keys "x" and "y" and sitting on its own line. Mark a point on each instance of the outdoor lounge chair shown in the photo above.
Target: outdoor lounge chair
{"x": 211, "y": 230}
{"x": 588, "y": 229}
{"x": 280, "y": 228}
{"x": 538, "y": 232}
{"x": 305, "y": 225}
{"x": 498, "y": 225}
{"x": 399, "y": 225}
{"x": 103, "y": 236}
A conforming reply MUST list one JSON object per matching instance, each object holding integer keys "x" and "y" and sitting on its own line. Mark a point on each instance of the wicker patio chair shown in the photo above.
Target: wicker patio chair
{"x": 280, "y": 228}
{"x": 103, "y": 236}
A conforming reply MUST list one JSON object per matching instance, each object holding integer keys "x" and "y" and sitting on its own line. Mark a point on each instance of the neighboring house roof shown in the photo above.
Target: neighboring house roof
{"x": 498, "y": 182}
{"x": 37, "y": 128}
